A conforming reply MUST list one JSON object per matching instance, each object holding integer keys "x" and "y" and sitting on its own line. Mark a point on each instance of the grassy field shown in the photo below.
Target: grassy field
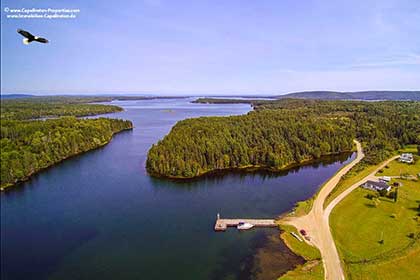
{"x": 396, "y": 168}
{"x": 303, "y": 207}
{"x": 356, "y": 174}
{"x": 367, "y": 223}
{"x": 312, "y": 269}
{"x": 364, "y": 256}
{"x": 408, "y": 149}
{"x": 361, "y": 170}
{"x": 405, "y": 267}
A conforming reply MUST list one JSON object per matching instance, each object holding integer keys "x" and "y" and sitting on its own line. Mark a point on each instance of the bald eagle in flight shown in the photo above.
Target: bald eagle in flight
{"x": 29, "y": 37}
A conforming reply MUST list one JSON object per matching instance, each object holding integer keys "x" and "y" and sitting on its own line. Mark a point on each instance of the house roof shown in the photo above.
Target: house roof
{"x": 407, "y": 155}
{"x": 380, "y": 185}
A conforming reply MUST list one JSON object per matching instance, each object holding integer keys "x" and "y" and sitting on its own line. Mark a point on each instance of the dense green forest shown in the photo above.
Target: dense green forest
{"x": 35, "y": 108}
{"x": 224, "y": 101}
{"x": 29, "y": 146}
{"x": 319, "y": 95}
{"x": 358, "y": 95}
{"x": 284, "y": 132}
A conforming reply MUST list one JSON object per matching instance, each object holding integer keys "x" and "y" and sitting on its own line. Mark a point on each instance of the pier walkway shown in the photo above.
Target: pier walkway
{"x": 223, "y": 224}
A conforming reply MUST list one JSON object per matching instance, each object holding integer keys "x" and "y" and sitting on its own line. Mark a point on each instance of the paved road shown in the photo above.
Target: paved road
{"x": 316, "y": 223}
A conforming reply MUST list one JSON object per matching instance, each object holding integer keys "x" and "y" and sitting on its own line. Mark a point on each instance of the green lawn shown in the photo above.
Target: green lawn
{"x": 396, "y": 168}
{"x": 357, "y": 173}
{"x": 408, "y": 149}
{"x": 312, "y": 269}
{"x": 358, "y": 226}
{"x": 303, "y": 207}
{"x": 361, "y": 170}
{"x": 303, "y": 249}
{"x": 406, "y": 267}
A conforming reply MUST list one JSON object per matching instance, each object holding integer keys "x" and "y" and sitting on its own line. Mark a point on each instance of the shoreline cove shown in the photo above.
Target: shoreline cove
{"x": 103, "y": 202}
{"x": 19, "y": 182}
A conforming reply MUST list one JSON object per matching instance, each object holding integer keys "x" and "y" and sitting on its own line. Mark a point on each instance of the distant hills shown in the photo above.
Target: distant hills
{"x": 325, "y": 95}
{"x": 359, "y": 95}
{"x": 14, "y": 96}
{"x": 87, "y": 97}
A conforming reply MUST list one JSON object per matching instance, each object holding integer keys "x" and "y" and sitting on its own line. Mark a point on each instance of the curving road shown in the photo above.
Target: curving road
{"x": 316, "y": 223}
{"x": 371, "y": 176}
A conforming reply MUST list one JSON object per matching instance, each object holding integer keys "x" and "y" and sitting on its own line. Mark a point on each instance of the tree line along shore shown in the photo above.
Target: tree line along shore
{"x": 29, "y": 144}
{"x": 285, "y": 132}
{"x": 275, "y": 135}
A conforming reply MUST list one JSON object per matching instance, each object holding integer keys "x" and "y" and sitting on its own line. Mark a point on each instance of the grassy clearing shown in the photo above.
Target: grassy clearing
{"x": 364, "y": 255}
{"x": 361, "y": 170}
{"x": 408, "y": 149}
{"x": 312, "y": 269}
{"x": 303, "y": 249}
{"x": 406, "y": 267}
{"x": 357, "y": 173}
{"x": 398, "y": 257}
{"x": 396, "y": 168}
{"x": 303, "y": 207}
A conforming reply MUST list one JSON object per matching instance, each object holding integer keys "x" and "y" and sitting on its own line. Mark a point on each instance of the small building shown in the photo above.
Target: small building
{"x": 376, "y": 186}
{"x": 385, "y": 179}
{"x": 407, "y": 158}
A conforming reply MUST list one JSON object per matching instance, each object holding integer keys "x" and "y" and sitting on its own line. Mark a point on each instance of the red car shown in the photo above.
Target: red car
{"x": 303, "y": 232}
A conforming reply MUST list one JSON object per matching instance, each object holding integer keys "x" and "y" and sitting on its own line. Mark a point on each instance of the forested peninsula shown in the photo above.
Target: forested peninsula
{"x": 278, "y": 134}
{"x": 53, "y": 107}
{"x": 375, "y": 95}
{"x": 28, "y": 145}
{"x": 24, "y": 107}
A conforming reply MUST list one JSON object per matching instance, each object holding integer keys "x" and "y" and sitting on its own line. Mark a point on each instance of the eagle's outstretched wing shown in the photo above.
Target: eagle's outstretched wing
{"x": 26, "y": 34}
{"x": 41, "y": 40}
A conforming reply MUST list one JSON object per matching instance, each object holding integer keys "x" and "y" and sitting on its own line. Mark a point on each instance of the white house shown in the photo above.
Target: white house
{"x": 376, "y": 186}
{"x": 406, "y": 158}
{"x": 385, "y": 178}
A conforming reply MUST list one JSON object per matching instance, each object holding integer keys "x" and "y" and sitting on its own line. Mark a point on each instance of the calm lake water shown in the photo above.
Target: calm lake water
{"x": 100, "y": 216}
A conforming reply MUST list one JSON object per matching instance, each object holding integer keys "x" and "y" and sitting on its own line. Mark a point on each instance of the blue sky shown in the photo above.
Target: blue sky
{"x": 219, "y": 47}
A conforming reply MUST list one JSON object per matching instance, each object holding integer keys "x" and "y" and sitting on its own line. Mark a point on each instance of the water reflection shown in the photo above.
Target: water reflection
{"x": 100, "y": 216}
{"x": 218, "y": 176}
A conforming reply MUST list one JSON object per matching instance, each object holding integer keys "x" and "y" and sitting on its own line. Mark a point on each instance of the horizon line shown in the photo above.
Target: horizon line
{"x": 191, "y": 93}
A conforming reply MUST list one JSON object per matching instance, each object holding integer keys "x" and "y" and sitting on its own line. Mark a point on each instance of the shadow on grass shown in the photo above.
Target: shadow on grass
{"x": 386, "y": 199}
{"x": 415, "y": 209}
{"x": 368, "y": 205}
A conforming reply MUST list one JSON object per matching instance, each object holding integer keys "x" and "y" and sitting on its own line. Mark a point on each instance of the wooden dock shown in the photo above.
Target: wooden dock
{"x": 223, "y": 224}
